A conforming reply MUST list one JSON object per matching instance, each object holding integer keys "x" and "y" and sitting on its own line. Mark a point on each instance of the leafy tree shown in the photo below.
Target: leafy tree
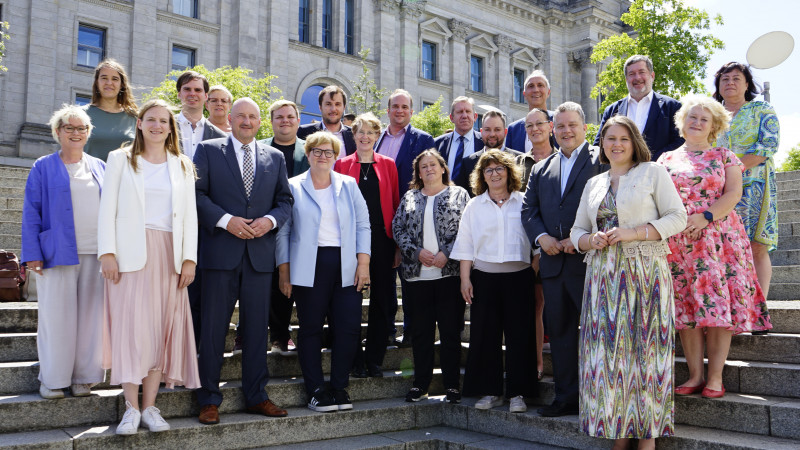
{"x": 238, "y": 80}
{"x": 591, "y": 131}
{"x": 792, "y": 161}
{"x": 367, "y": 96}
{"x": 432, "y": 120}
{"x": 672, "y": 35}
{"x": 3, "y": 37}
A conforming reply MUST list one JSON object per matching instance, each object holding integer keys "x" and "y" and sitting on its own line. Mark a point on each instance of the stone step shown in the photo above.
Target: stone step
{"x": 773, "y": 347}
{"x": 785, "y": 257}
{"x": 785, "y": 315}
{"x": 789, "y": 215}
{"x": 788, "y": 229}
{"x": 13, "y": 181}
{"x": 10, "y": 241}
{"x": 790, "y": 194}
{"x": 785, "y": 274}
{"x": 787, "y": 204}
{"x": 790, "y": 242}
{"x": 787, "y": 176}
{"x": 11, "y": 203}
{"x": 11, "y": 171}
{"x": 12, "y": 192}
{"x": 784, "y": 291}
{"x": 10, "y": 215}
{"x": 11, "y": 228}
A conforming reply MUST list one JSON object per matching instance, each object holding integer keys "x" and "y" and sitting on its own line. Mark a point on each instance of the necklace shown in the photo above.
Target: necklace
{"x": 498, "y": 202}
{"x": 361, "y": 169}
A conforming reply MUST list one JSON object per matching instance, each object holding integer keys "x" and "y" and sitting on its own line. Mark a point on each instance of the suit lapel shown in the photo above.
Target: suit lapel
{"x": 652, "y": 115}
{"x": 261, "y": 166}
{"x": 623, "y": 107}
{"x": 230, "y": 157}
{"x": 553, "y": 173}
{"x": 583, "y": 157}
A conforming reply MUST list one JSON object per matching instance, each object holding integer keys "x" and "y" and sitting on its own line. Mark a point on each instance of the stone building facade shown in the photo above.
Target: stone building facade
{"x": 431, "y": 48}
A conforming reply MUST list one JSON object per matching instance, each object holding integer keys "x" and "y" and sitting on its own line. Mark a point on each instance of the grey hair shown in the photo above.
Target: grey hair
{"x": 62, "y": 116}
{"x": 635, "y": 59}
{"x": 569, "y": 106}
{"x": 538, "y": 73}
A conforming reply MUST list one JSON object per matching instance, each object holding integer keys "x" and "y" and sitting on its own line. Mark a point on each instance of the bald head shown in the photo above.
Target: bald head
{"x": 245, "y": 118}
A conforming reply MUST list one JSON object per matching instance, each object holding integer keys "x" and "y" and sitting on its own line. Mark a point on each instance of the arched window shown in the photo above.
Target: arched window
{"x": 310, "y": 102}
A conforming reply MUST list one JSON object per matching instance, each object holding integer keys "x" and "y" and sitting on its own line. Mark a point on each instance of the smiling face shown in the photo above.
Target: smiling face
{"x": 155, "y": 125}
{"x": 366, "y": 137}
{"x": 639, "y": 80}
{"x": 75, "y": 138}
{"x": 109, "y": 83}
{"x": 538, "y": 127}
{"x": 697, "y": 125}
{"x": 618, "y": 146}
{"x": 570, "y": 131}
{"x": 493, "y": 132}
{"x": 332, "y": 108}
{"x": 218, "y": 106}
{"x": 285, "y": 124}
{"x": 193, "y": 94}
{"x": 496, "y": 176}
{"x": 430, "y": 171}
{"x": 245, "y": 120}
{"x": 536, "y": 92}
{"x": 400, "y": 111}
{"x": 463, "y": 117}
{"x": 733, "y": 86}
{"x": 321, "y": 163}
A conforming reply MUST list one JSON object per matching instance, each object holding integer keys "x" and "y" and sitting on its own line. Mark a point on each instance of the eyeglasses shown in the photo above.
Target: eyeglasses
{"x": 224, "y": 101}
{"x": 529, "y": 126}
{"x": 69, "y": 129}
{"x": 321, "y": 151}
{"x": 366, "y": 133}
{"x": 489, "y": 171}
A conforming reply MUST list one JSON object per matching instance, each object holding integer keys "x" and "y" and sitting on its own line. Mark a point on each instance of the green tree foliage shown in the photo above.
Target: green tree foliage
{"x": 3, "y": 37}
{"x": 792, "y": 161}
{"x": 591, "y": 131}
{"x": 367, "y": 96}
{"x": 432, "y": 120}
{"x": 673, "y": 35}
{"x": 238, "y": 80}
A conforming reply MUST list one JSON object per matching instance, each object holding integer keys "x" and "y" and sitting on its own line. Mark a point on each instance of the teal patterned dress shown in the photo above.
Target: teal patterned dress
{"x": 627, "y": 342}
{"x": 755, "y": 131}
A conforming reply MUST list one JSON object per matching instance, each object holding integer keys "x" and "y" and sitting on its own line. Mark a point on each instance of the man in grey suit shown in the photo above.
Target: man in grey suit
{"x": 243, "y": 197}
{"x": 548, "y": 212}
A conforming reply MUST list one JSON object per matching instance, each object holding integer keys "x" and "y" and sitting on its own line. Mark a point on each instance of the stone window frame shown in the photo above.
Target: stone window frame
{"x": 195, "y": 4}
{"x": 327, "y": 31}
{"x": 436, "y": 32}
{"x": 477, "y": 76}
{"x": 89, "y": 22}
{"x": 194, "y": 52}
{"x": 482, "y": 46}
{"x": 519, "y": 89}
{"x": 349, "y": 40}
{"x": 308, "y": 20}
{"x": 434, "y": 63}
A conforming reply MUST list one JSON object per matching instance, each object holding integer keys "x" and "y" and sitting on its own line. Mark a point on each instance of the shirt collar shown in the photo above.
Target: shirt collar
{"x": 467, "y": 137}
{"x": 649, "y": 98}
{"x": 182, "y": 120}
{"x": 401, "y": 133}
{"x": 325, "y": 128}
{"x": 237, "y": 146}
{"x": 486, "y": 199}
{"x": 574, "y": 154}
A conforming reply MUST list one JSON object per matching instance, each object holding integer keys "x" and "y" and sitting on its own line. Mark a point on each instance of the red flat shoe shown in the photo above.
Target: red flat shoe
{"x": 710, "y": 393}
{"x": 689, "y": 390}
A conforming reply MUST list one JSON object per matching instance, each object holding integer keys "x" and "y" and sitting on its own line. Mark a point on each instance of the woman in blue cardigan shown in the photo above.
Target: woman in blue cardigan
{"x": 59, "y": 244}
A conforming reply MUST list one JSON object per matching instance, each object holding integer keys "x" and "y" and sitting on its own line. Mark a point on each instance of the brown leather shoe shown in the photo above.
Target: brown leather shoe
{"x": 209, "y": 415}
{"x": 267, "y": 408}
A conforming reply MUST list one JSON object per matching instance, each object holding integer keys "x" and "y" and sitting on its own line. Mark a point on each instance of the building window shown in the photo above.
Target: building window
{"x": 519, "y": 86}
{"x": 91, "y": 45}
{"x": 478, "y": 123}
{"x": 83, "y": 99}
{"x": 349, "y": 27}
{"x": 303, "y": 29}
{"x": 428, "y": 60}
{"x": 186, "y": 8}
{"x": 182, "y": 57}
{"x": 310, "y": 102}
{"x": 476, "y": 73}
{"x": 327, "y": 22}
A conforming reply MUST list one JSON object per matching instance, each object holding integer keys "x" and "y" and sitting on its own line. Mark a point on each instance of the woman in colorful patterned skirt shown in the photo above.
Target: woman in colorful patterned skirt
{"x": 627, "y": 343}
{"x": 716, "y": 292}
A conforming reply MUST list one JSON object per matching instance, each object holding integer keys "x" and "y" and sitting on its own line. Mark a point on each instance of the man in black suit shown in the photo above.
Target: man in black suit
{"x": 493, "y": 134}
{"x": 243, "y": 197}
{"x": 463, "y": 140}
{"x": 332, "y": 103}
{"x": 653, "y": 113}
{"x": 548, "y": 212}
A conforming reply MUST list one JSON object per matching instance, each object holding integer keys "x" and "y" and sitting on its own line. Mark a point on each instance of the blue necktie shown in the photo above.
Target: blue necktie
{"x": 459, "y": 156}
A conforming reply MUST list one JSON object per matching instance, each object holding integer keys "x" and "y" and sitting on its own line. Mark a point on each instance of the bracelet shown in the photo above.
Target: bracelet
{"x": 646, "y": 233}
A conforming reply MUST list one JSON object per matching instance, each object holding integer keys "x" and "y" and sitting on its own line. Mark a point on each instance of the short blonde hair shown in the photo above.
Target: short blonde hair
{"x": 366, "y": 120}
{"x": 720, "y": 117}
{"x": 323, "y": 137}
{"x": 280, "y": 104}
{"x": 219, "y": 87}
{"x": 63, "y": 115}
{"x": 513, "y": 180}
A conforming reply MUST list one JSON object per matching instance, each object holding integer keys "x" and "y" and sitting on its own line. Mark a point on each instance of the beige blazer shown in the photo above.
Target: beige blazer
{"x": 645, "y": 195}
{"x": 121, "y": 230}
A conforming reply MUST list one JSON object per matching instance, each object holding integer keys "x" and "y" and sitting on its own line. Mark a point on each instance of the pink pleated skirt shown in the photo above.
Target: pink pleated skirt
{"x": 148, "y": 323}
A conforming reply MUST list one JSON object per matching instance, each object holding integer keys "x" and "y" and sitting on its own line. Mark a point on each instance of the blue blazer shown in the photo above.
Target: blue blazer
{"x": 660, "y": 132}
{"x": 220, "y": 190}
{"x": 297, "y": 240}
{"x": 516, "y": 136}
{"x": 347, "y": 134}
{"x": 48, "y": 225}
{"x": 415, "y": 142}
{"x": 442, "y": 144}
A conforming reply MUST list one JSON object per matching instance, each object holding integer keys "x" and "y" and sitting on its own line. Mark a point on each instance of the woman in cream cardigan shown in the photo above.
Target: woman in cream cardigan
{"x": 147, "y": 242}
{"x": 627, "y": 329}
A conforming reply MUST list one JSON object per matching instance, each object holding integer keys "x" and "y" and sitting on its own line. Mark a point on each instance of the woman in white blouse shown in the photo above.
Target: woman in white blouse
{"x": 497, "y": 280}
{"x": 147, "y": 242}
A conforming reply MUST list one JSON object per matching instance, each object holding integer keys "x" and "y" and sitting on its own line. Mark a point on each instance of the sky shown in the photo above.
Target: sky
{"x": 744, "y": 22}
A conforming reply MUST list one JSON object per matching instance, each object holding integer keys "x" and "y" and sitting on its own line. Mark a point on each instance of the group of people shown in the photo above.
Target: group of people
{"x": 146, "y": 227}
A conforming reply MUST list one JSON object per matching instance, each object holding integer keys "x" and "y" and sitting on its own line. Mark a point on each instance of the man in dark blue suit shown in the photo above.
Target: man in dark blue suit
{"x": 463, "y": 140}
{"x": 243, "y": 197}
{"x": 493, "y": 133}
{"x": 332, "y": 103}
{"x": 548, "y": 212}
{"x": 536, "y": 93}
{"x": 653, "y": 113}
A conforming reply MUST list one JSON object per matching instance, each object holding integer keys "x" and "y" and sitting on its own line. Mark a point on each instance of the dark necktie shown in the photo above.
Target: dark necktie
{"x": 247, "y": 169}
{"x": 459, "y": 156}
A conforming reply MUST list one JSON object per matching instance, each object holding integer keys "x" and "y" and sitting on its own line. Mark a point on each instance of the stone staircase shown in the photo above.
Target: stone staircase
{"x": 762, "y": 376}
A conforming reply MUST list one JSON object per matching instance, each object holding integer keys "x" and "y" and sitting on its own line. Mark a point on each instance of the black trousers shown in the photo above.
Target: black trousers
{"x": 436, "y": 302}
{"x": 382, "y": 296}
{"x": 194, "y": 305}
{"x": 342, "y": 307}
{"x": 502, "y": 306}
{"x": 280, "y": 314}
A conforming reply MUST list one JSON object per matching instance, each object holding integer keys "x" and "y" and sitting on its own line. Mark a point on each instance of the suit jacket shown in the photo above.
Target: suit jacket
{"x": 211, "y": 131}
{"x": 660, "y": 132}
{"x": 298, "y": 240}
{"x": 121, "y": 220}
{"x": 442, "y": 144}
{"x": 545, "y": 210}
{"x": 415, "y": 142}
{"x": 387, "y": 183}
{"x": 300, "y": 161}
{"x": 220, "y": 191}
{"x": 516, "y": 136}
{"x": 347, "y": 134}
{"x": 468, "y": 165}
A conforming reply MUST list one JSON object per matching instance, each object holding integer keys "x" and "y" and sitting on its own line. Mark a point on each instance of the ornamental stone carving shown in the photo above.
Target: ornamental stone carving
{"x": 388, "y": 5}
{"x": 460, "y": 29}
{"x": 504, "y": 44}
{"x": 413, "y": 8}
{"x": 580, "y": 58}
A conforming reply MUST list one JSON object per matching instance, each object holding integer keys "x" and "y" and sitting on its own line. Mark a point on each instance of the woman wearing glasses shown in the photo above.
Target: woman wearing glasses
{"x": 323, "y": 255}
{"x": 376, "y": 176}
{"x": 59, "y": 243}
{"x": 497, "y": 280}
{"x": 219, "y": 105}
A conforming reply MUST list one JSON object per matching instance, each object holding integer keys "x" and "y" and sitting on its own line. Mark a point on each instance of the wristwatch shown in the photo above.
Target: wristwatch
{"x": 709, "y": 217}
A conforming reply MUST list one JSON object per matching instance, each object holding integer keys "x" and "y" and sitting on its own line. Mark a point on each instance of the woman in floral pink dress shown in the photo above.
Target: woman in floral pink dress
{"x": 716, "y": 292}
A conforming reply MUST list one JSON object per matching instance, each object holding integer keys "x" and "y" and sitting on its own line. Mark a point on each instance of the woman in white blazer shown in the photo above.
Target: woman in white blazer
{"x": 323, "y": 255}
{"x": 147, "y": 246}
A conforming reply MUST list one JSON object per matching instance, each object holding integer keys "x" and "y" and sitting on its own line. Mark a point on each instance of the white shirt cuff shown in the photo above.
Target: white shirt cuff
{"x": 536, "y": 241}
{"x": 272, "y": 219}
{"x": 223, "y": 221}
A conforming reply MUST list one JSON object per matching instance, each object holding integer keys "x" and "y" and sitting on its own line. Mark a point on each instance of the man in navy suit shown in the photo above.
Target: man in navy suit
{"x": 332, "y": 103}
{"x": 653, "y": 113}
{"x": 463, "y": 140}
{"x": 548, "y": 212}
{"x": 493, "y": 134}
{"x": 536, "y": 93}
{"x": 243, "y": 197}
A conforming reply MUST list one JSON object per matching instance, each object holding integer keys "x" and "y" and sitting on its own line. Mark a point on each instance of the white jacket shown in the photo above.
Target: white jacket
{"x": 121, "y": 230}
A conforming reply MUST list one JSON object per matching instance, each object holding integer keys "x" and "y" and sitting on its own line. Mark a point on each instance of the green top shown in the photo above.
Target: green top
{"x": 109, "y": 131}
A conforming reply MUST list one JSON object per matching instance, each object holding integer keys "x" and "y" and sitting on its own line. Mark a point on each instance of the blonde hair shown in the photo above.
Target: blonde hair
{"x": 720, "y": 117}
{"x": 323, "y": 137}
{"x": 366, "y": 120}
{"x": 62, "y": 116}
{"x": 172, "y": 145}
{"x": 280, "y": 104}
{"x": 223, "y": 89}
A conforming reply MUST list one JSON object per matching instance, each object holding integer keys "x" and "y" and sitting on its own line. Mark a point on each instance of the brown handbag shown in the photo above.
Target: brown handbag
{"x": 11, "y": 277}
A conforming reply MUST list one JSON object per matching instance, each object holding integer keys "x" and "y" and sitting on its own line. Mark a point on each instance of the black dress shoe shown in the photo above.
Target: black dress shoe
{"x": 374, "y": 371}
{"x": 558, "y": 409}
{"x": 358, "y": 372}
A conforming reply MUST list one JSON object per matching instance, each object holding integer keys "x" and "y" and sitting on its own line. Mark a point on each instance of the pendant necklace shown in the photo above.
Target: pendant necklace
{"x": 361, "y": 169}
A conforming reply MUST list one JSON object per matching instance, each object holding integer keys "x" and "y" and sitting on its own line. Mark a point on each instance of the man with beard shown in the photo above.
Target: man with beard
{"x": 332, "y": 103}
{"x": 493, "y": 134}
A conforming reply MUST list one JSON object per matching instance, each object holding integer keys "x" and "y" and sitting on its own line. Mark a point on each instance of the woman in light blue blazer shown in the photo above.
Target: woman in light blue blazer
{"x": 329, "y": 231}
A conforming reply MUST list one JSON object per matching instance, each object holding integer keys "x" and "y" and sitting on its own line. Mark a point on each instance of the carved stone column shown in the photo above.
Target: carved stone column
{"x": 387, "y": 42}
{"x": 505, "y": 71}
{"x": 410, "y": 49}
{"x": 581, "y": 60}
{"x": 459, "y": 60}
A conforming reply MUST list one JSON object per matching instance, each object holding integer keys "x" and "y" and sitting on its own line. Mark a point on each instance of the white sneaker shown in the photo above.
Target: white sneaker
{"x": 489, "y": 402}
{"x": 517, "y": 405}
{"x": 80, "y": 390}
{"x": 130, "y": 421}
{"x": 152, "y": 418}
{"x": 50, "y": 394}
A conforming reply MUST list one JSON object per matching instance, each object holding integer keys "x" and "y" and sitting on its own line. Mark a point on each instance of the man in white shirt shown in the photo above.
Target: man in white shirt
{"x": 194, "y": 127}
{"x": 332, "y": 103}
{"x": 653, "y": 113}
{"x": 536, "y": 92}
